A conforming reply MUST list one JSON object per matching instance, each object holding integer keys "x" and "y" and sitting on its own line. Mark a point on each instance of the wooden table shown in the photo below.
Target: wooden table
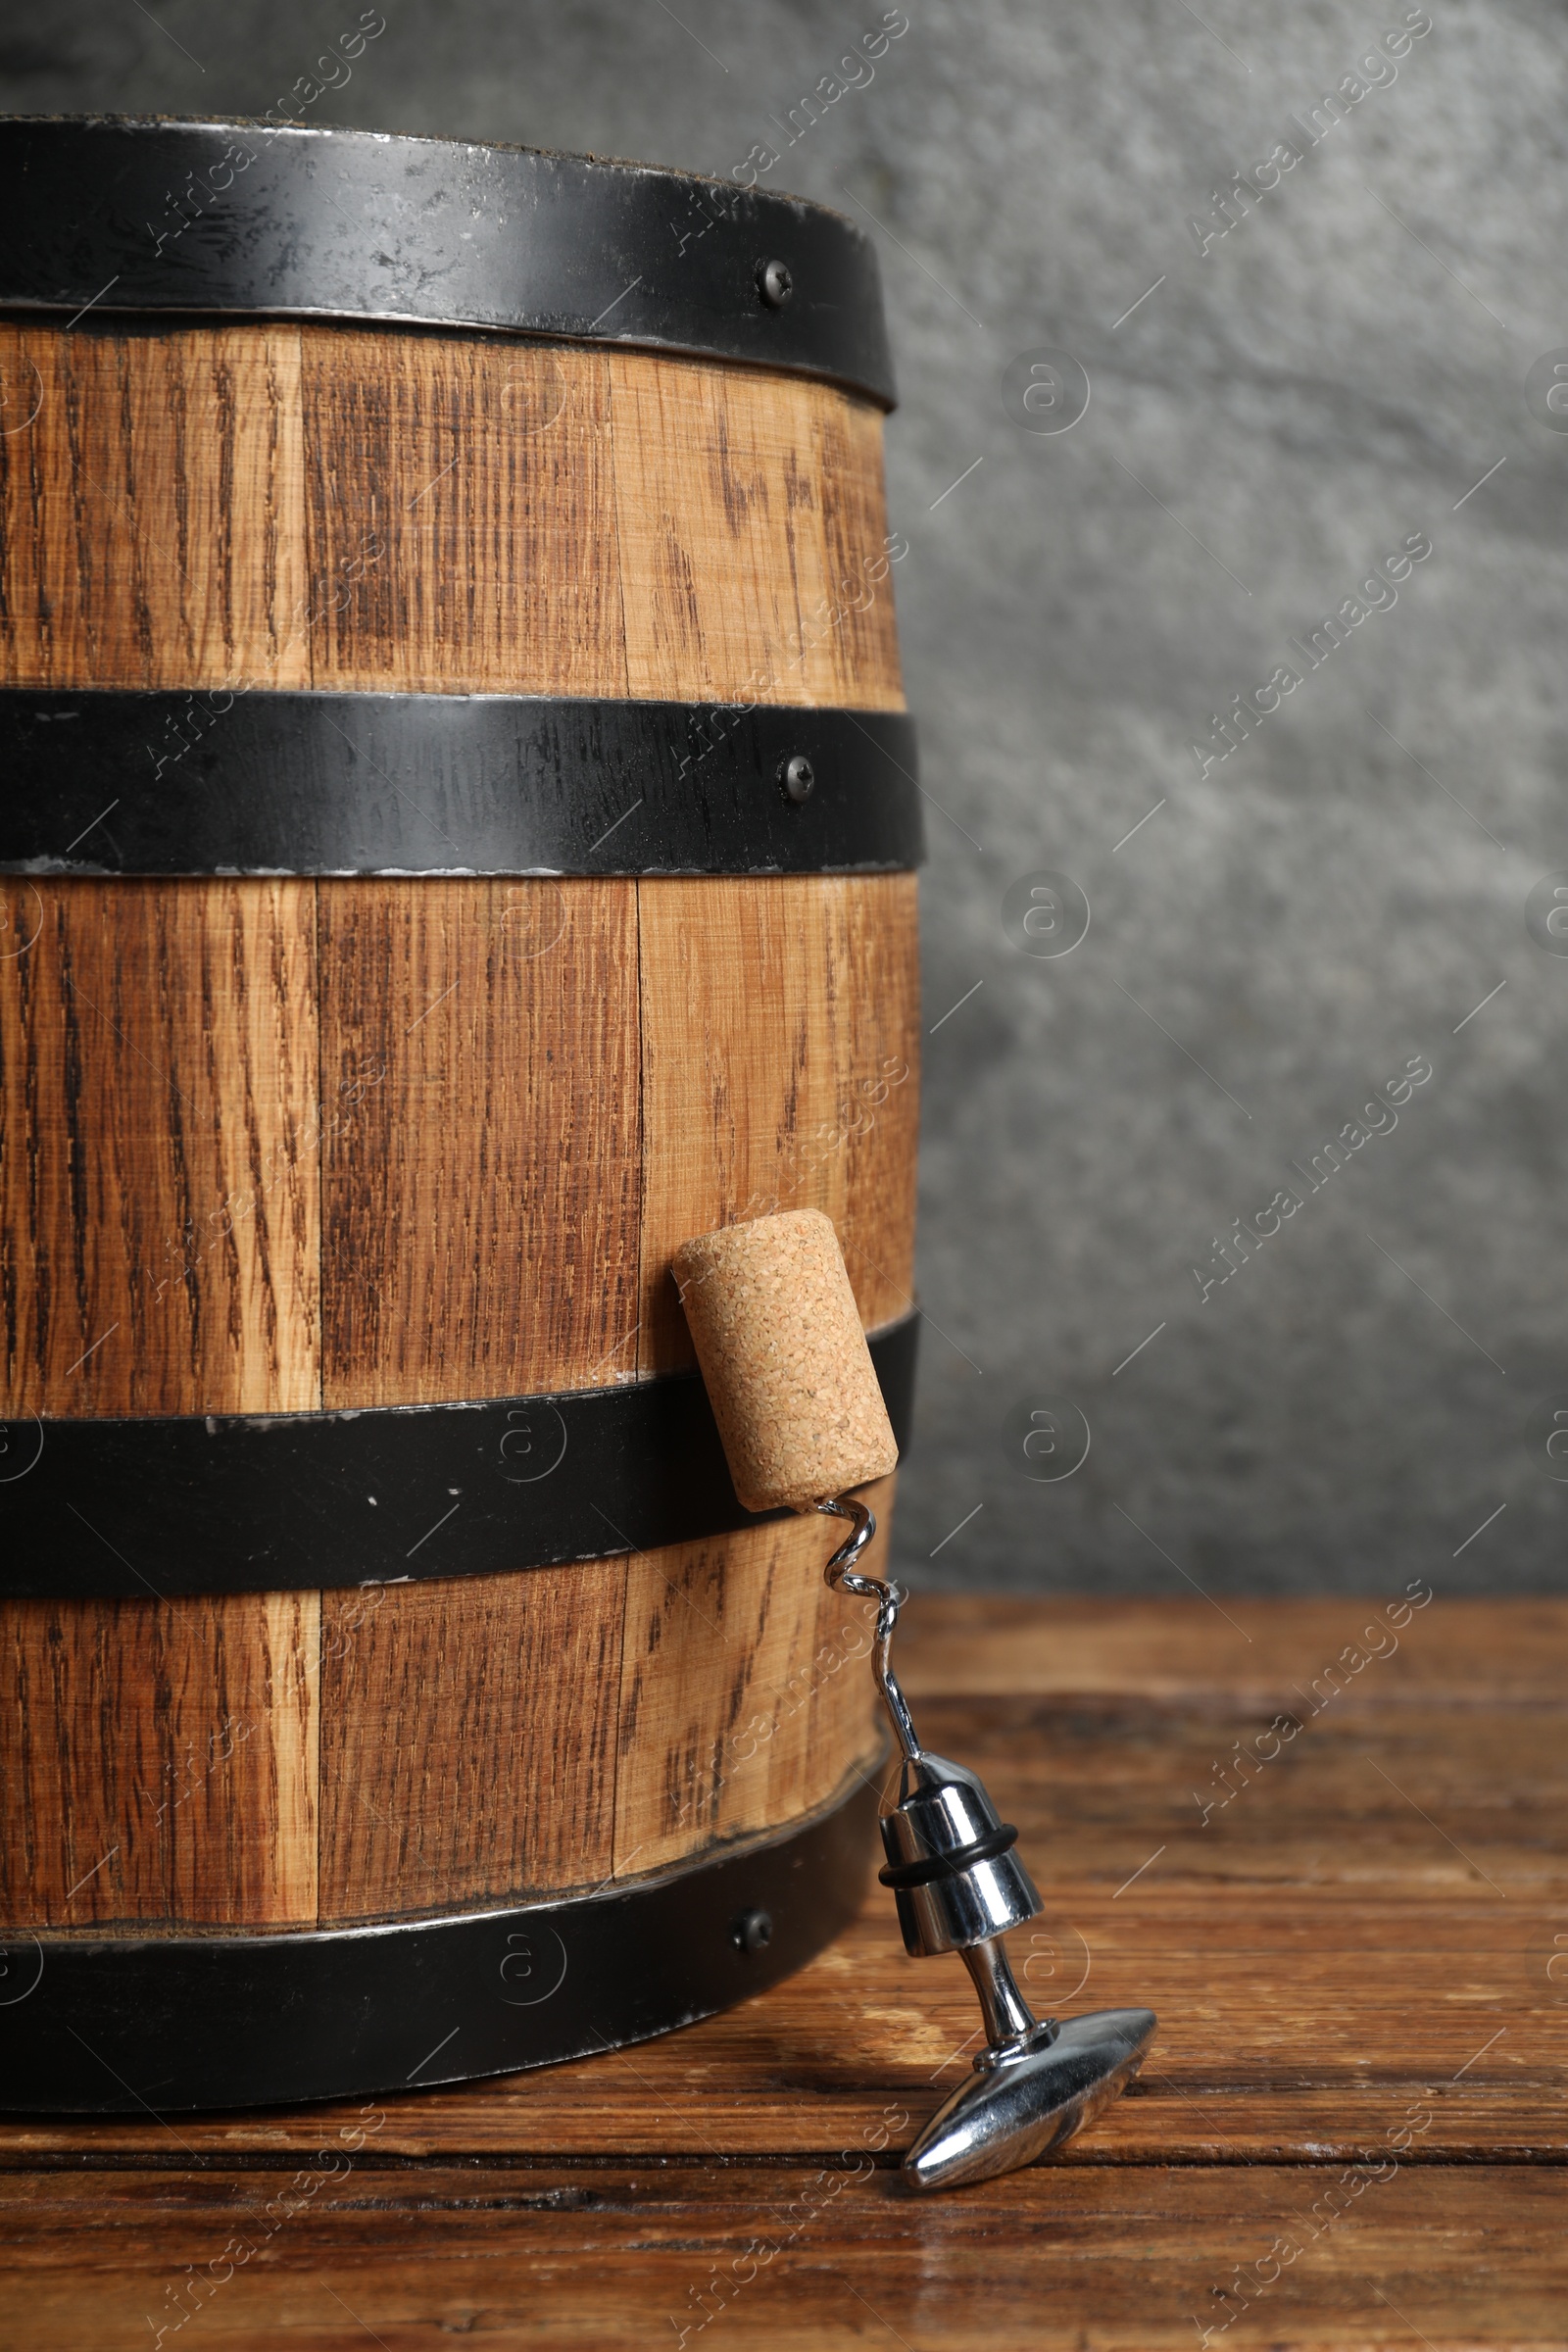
{"x": 1353, "y": 2129}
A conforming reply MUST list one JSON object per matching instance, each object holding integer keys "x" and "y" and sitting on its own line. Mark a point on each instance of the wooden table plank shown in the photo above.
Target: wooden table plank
{"x": 956, "y": 1644}
{"x": 792, "y": 2257}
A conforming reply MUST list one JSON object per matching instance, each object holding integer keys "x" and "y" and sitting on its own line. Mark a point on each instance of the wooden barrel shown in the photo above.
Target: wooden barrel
{"x": 457, "y": 844}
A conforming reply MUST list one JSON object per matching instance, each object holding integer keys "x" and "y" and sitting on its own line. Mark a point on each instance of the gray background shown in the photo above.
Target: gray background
{"x": 1333, "y": 374}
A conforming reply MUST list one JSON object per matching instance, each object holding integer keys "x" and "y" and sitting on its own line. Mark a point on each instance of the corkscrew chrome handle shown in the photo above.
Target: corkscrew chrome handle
{"x": 960, "y": 1886}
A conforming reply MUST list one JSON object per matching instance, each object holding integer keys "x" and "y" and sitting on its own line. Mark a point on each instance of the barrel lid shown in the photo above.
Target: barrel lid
{"x": 149, "y": 215}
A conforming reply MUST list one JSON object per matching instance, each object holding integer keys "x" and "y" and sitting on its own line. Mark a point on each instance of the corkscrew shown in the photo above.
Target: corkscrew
{"x": 801, "y": 1418}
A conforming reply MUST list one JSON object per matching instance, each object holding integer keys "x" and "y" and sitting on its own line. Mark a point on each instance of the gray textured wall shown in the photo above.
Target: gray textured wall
{"x": 1334, "y": 374}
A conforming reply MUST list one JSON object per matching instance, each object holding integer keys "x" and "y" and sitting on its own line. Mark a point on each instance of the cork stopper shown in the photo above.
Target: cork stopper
{"x": 779, "y": 1339}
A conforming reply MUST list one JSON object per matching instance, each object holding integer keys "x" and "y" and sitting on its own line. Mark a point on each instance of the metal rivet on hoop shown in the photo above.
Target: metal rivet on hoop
{"x": 774, "y": 284}
{"x": 798, "y": 779}
{"x": 753, "y": 1932}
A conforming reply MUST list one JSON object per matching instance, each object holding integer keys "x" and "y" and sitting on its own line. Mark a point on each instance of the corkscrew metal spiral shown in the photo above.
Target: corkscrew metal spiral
{"x": 890, "y": 1600}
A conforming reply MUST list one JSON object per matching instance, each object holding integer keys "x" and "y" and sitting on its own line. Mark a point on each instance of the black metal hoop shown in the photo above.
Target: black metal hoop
{"x": 136, "y": 1510}
{"x": 112, "y": 213}
{"x": 123, "y": 2024}
{"x": 212, "y": 782}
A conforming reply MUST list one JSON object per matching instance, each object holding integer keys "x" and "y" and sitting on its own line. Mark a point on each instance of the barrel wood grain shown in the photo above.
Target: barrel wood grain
{"x": 162, "y": 1762}
{"x": 478, "y": 1141}
{"x": 160, "y": 1234}
{"x": 468, "y": 1739}
{"x": 436, "y": 513}
{"x": 480, "y": 1211}
{"x": 464, "y": 1741}
{"x": 848, "y": 631}
{"x": 461, "y": 515}
{"x": 152, "y": 507}
{"x": 796, "y": 1089}
{"x": 744, "y": 1700}
{"x": 493, "y": 1738}
{"x": 873, "y": 1003}
{"x": 753, "y": 545}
